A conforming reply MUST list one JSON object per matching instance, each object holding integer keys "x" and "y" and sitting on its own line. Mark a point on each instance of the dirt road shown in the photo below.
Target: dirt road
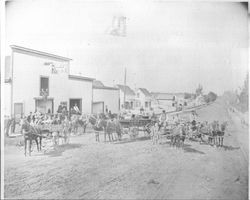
{"x": 134, "y": 169}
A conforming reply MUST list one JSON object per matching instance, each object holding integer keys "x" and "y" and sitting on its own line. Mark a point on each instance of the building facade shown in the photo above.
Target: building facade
{"x": 105, "y": 98}
{"x": 130, "y": 97}
{"x": 41, "y": 81}
{"x": 143, "y": 98}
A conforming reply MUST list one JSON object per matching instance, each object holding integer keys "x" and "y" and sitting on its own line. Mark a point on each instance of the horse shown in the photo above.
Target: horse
{"x": 214, "y": 126}
{"x": 221, "y": 133}
{"x": 31, "y": 133}
{"x": 62, "y": 132}
{"x": 78, "y": 121}
{"x": 100, "y": 124}
{"x": 176, "y": 137}
{"x": 108, "y": 126}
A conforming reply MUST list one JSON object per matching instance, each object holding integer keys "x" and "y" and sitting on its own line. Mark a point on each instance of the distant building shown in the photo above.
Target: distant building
{"x": 130, "y": 97}
{"x": 105, "y": 98}
{"x": 143, "y": 98}
{"x": 36, "y": 80}
{"x": 168, "y": 99}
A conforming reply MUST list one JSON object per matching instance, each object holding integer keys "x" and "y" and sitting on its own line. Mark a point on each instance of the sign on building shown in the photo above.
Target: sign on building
{"x": 57, "y": 68}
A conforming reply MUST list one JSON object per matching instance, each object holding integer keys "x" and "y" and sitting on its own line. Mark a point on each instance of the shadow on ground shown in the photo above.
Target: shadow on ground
{"x": 230, "y": 148}
{"x": 127, "y": 140}
{"x": 187, "y": 148}
{"x": 57, "y": 151}
{"x": 192, "y": 150}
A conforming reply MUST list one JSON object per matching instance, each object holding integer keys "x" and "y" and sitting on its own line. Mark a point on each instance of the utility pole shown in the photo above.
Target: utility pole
{"x": 124, "y": 100}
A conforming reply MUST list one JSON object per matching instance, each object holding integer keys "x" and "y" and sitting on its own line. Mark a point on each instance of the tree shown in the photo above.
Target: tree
{"x": 198, "y": 91}
{"x": 210, "y": 97}
{"x": 187, "y": 95}
{"x": 243, "y": 96}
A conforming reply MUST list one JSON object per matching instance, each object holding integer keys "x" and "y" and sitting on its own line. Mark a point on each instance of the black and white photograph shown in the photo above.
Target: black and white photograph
{"x": 123, "y": 99}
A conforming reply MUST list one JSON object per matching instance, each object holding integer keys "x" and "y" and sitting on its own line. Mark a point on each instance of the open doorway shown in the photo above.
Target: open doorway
{"x": 73, "y": 102}
{"x": 44, "y": 106}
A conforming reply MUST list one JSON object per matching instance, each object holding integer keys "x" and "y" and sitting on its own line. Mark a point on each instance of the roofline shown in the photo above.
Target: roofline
{"x": 105, "y": 88}
{"x": 118, "y": 85}
{"x": 15, "y": 47}
{"x": 80, "y": 78}
{"x": 146, "y": 95}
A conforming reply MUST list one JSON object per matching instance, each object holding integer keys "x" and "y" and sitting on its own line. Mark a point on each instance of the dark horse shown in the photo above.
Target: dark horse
{"x": 31, "y": 133}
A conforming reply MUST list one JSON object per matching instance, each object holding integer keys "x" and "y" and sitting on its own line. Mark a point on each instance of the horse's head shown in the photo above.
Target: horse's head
{"x": 92, "y": 120}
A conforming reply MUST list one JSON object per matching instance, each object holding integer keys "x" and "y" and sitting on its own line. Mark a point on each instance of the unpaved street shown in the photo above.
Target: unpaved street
{"x": 134, "y": 169}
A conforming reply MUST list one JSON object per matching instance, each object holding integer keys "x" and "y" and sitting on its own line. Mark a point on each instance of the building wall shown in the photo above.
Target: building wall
{"x": 98, "y": 107}
{"x": 143, "y": 99}
{"x": 7, "y": 99}
{"x": 109, "y": 97}
{"x": 129, "y": 98}
{"x": 80, "y": 89}
{"x": 31, "y": 68}
{"x": 61, "y": 88}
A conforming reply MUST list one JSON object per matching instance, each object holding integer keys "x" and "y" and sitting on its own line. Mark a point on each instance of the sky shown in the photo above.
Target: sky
{"x": 168, "y": 47}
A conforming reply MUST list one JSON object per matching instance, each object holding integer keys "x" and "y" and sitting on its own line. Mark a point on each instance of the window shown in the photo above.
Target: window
{"x": 44, "y": 85}
{"x": 138, "y": 95}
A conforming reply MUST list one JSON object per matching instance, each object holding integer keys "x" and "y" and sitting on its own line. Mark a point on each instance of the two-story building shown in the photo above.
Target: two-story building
{"x": 36, "y": 80}
{"x": 143, "y": 98}
{"x": 130, "y": 97}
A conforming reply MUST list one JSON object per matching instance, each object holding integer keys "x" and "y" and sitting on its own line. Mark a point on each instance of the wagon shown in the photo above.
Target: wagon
{"x": 134, "y": 126}
{"x": 50, "y": 128}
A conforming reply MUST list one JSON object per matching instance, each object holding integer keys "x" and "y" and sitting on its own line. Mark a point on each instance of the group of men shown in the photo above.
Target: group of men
{"x": 164, "y": 118}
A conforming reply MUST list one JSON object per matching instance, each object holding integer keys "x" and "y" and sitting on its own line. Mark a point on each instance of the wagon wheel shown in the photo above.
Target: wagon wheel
{"x": 147, "y": 129}
{"x": 134, "y": 132}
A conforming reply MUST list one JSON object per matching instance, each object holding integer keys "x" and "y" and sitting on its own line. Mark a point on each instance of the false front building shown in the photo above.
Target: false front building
{"x": 36, "y": 80}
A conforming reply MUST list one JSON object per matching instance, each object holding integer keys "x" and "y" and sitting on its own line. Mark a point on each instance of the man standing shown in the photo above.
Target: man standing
{"x": 162, "y": 119}
{"x": 76, "y": 109}
{"x": 29, "y": 118}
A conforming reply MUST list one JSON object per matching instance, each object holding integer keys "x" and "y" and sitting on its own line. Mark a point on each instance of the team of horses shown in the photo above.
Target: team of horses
{"x": 36, "y": 132}
{"x": 178, "y": 132}
{"x": 111, "y": 127}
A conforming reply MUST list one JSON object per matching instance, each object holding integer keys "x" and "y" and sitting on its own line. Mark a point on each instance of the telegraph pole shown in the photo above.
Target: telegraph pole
{"x": 125, "y": 87}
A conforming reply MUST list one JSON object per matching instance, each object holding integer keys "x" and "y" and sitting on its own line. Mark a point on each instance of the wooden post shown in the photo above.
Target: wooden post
{"x": 125, "y": 88}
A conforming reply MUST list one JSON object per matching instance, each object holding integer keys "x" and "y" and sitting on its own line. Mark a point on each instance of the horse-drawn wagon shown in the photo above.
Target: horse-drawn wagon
{"x": 135, "y": 125}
